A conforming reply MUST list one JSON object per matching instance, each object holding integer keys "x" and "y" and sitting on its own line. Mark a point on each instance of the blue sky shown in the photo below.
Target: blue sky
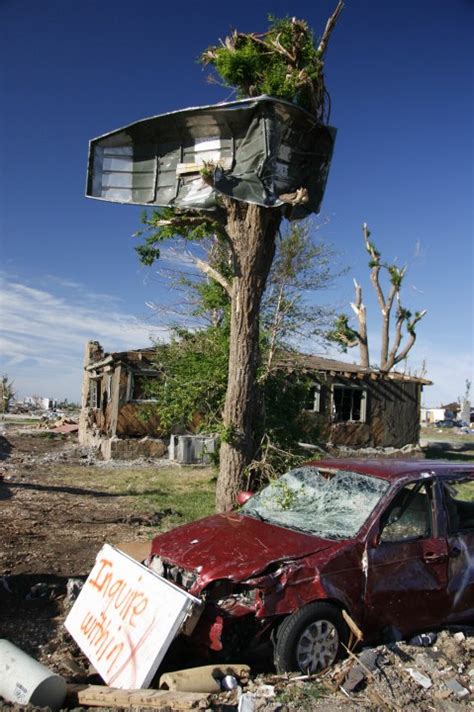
{"x": 400, "y": 78}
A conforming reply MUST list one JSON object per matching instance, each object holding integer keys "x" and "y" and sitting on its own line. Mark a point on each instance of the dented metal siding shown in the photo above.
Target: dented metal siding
{"x": 261, "y": 149}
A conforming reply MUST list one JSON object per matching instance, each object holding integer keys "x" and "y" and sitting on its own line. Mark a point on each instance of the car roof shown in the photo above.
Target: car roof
{"x": 393, "y": 469}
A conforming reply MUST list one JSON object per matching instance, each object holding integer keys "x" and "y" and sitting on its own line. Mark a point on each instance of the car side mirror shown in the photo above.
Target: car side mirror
{"x": 243, "y": 497}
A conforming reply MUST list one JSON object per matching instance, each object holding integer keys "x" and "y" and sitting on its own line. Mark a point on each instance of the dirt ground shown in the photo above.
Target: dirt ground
{"x": 58, "y": 506}
{"x": 51, "y": 531}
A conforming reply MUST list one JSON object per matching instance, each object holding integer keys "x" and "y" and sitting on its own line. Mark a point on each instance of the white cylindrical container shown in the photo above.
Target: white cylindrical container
{"x": 24, "y": 680}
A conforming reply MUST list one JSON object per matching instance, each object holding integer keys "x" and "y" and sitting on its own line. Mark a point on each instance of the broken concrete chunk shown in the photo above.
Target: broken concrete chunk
{"x": 422, "y": 680}
{"x": 367, "y": 661}
{"x": 457, "y": 688}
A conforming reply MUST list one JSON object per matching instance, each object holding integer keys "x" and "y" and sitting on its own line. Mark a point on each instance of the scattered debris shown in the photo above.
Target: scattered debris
{"x": 33, "y": 605}
{"x": 423, "y": 640}
{"x": 421, "y": 679}
{"x": 210, "y": 678}
{"x": 73, "y": 589}
{"x": 366, "y": 663}
{"x": 458, "y": 689}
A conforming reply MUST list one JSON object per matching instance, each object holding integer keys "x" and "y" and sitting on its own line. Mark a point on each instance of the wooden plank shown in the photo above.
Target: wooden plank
{"x": 101, "y": 696}
{"x": 138, "y": 550}
{"x": 184, "y": 168}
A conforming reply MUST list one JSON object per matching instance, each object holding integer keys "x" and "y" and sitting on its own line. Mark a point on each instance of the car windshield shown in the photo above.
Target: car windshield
{"x": 330, "y": 504}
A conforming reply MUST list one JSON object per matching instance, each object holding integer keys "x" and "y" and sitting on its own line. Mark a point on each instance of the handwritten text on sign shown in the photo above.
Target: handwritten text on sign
{"x": 125, "y": 618}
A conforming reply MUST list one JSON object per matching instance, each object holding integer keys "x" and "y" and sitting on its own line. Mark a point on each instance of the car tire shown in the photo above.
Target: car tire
{"x": 311, "y": 639}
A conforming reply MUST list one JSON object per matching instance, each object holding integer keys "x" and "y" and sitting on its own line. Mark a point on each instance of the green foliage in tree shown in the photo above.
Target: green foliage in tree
{"x": 167, "y": 223}
{"x": 284, "y": 62}
{"x": 191, "y": 387}
{"x": 342, "y": 333}
{"x": 281, "y": 63}
{"x": 285, "y": 421}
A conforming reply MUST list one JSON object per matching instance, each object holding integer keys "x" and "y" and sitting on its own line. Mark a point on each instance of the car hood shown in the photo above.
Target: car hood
{"x": 233, "y": 546}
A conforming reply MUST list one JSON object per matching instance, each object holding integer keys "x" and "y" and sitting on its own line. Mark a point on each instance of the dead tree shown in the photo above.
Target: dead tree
{"x": 392, "y": 350}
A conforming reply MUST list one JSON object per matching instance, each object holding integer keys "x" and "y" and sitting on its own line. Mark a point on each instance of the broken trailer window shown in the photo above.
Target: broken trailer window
{"x": 331, "y": 505}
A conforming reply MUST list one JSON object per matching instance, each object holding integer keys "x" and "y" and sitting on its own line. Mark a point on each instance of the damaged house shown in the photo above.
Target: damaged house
{"x": 353, "y": 406}
{"x": 112, "y": 404}
{"x": 360, "y": 407}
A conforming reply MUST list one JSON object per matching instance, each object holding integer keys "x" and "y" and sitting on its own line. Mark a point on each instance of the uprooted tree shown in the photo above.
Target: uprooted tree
{"x": 285, "y": 62}
{"x": 394, "y": 348}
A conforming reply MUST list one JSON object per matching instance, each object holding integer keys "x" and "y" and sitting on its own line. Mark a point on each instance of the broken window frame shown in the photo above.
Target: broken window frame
{"x": 95, "y": 391}
{"x": 132, "y": 376}
{"x": 451, "y": 502}
{"x": 414, "y": 488}
{"x": 313, "y": 403}
{"x": 351, "y": 388}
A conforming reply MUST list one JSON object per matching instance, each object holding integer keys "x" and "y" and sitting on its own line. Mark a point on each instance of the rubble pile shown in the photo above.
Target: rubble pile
{"x": 58, "y": 423}
{"x": 409, "y": 676}
{"x": 392, "y": 676}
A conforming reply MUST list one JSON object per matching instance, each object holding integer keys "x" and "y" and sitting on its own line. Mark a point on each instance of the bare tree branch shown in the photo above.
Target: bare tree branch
{"x": 330, "y": 25}
{"x": 360, "y": 311}
{"x": 214, "y": 274}
{"x": 412, "y": 337}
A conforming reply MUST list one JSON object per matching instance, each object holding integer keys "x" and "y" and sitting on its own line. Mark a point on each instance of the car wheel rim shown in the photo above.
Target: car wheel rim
{"x": 317, "y": 647}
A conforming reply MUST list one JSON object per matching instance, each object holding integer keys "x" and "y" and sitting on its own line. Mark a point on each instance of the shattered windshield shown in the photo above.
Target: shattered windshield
{"x": 330, "y": 504}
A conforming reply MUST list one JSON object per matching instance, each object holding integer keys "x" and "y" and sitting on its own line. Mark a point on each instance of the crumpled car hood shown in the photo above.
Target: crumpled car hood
{"x": 233, "y": 546}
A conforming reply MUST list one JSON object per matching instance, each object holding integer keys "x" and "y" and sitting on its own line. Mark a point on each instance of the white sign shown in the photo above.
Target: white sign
{"x": 125, "y": 618}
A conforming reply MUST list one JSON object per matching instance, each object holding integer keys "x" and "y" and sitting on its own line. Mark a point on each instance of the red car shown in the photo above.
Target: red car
{"x": 390, "y": 542}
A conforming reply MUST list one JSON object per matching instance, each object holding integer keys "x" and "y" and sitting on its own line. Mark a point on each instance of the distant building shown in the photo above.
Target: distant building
{"x": 40, "y": 402}
{"x": 431, "y": 415}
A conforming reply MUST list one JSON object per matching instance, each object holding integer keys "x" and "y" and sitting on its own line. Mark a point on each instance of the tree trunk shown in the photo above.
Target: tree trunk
{"x": 251, "y": 230}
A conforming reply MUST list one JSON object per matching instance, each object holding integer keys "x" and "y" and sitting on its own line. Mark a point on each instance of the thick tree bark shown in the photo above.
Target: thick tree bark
{"x": 251, "y": 230}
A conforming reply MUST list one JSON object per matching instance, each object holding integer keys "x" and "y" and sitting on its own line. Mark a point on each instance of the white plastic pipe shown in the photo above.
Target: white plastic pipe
{"x": 24, "y": 680}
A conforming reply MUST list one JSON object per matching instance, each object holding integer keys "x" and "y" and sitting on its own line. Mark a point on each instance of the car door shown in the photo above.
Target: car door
{"x": 406, "y": 567}
{"x": 458, "y": 500}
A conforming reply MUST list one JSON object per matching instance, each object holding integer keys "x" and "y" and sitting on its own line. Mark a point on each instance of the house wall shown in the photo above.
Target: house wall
{"x": 392, "y": 414}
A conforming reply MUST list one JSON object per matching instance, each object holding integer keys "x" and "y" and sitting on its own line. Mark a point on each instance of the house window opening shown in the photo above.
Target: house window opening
{"x": 349, "y": 403}
{"x": 142, "y": 387}
{"x": 95, "y": 393}
{"x": 313, "y": 399}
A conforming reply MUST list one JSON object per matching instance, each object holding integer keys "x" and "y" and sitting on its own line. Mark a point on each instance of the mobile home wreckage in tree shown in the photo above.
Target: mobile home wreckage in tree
{"x": 353, "y": 406}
